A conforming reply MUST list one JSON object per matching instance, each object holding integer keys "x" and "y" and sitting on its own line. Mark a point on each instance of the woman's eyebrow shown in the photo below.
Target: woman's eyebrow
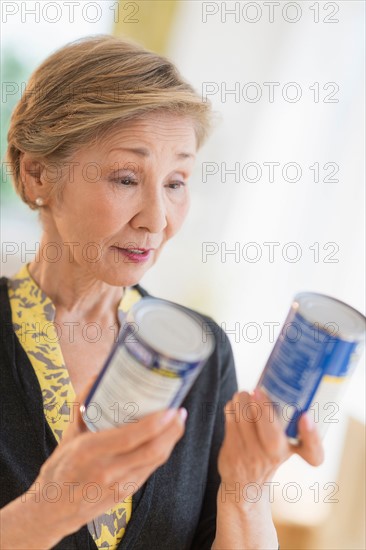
{"x": 143, "y": 152}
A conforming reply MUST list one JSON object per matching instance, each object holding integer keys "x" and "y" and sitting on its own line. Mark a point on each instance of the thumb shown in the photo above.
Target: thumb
{"x": 77, "y": 425}
{"x": 310, "y": 448}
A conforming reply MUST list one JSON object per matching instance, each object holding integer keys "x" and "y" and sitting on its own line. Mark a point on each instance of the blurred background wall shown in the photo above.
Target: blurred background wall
{"x": 277, "y": 193}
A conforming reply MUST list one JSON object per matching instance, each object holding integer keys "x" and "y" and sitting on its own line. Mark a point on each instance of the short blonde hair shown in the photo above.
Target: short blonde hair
{"x": 88, "y": 87}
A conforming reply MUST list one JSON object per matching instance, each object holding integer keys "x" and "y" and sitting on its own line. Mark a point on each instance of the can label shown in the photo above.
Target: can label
{"x": 307, "y": 367}
{"x": 136, "y": 381}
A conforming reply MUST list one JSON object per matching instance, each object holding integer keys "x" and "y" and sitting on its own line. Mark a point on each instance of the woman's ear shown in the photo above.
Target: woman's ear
{"x": 32, "y": 173}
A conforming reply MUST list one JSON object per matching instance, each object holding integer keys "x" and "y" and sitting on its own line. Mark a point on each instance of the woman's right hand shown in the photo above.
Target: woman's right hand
{"x": 119, "y": 458}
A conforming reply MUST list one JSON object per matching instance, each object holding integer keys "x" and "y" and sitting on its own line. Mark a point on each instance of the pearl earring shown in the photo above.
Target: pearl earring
{"x": 39, "y": 201}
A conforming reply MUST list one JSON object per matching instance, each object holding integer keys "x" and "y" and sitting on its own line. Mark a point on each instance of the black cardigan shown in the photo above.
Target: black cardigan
{"x": 175, "y": 509}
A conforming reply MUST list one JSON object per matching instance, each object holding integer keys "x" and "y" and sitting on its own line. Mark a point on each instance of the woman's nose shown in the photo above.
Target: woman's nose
{"x": 152, "y": 213}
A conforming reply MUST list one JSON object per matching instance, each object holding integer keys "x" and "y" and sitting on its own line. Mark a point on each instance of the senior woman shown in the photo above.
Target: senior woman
{"x": 103, "y": 144}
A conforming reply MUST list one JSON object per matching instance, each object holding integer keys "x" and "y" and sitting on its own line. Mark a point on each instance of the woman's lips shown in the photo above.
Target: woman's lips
{"x": 135, "y": 255}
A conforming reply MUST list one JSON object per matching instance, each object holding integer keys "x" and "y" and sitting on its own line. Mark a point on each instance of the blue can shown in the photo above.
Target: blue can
{"x": 159, "y": 354}
{"x": 316, "y": 352}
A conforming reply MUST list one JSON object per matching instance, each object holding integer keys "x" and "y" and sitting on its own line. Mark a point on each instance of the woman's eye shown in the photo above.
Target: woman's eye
{"x": 176, "y": 185}
{"x": 126, "y": 181}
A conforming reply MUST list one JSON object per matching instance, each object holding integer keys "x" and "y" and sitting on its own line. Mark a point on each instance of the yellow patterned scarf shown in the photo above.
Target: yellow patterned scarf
{"x": 33, "y": 314}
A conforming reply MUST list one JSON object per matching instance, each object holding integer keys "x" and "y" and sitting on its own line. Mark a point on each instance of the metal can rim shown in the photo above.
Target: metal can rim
{"x": 351, "y": 336}
{"x": 202, "y": 353}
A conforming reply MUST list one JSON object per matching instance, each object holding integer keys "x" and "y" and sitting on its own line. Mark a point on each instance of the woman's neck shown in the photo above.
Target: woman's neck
{"x": 72, "y": 288}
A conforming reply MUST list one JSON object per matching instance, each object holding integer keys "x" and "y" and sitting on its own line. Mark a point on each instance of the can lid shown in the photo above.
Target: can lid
{"x": 333, "y": 315}
{"x": 171, "y": 329}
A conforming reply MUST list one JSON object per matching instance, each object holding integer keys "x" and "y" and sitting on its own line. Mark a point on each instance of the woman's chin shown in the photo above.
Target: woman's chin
{"x": 123, "y": 277}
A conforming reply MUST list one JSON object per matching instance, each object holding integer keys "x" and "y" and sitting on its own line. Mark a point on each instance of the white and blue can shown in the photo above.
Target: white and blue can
{"x": 317, "y": 350}
{"x": 159, "y": 354}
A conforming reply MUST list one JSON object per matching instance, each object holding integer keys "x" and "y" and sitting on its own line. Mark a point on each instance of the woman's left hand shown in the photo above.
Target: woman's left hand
{"x": 255, "y": 444}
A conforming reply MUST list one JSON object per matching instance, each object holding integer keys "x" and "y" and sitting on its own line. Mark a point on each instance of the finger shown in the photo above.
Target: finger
{"x": 130, "y": 436}
{"x": 310, "y": 447}
{"x": 246, "y": 422}
{"x": 270, "y": 431}
{"x": 150, "y": 455}
{"x": 232, "y": 417}
{"x": 77, "y": 424}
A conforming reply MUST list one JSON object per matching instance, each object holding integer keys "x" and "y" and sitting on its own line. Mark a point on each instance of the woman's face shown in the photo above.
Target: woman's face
{"x": 125, "y": 197}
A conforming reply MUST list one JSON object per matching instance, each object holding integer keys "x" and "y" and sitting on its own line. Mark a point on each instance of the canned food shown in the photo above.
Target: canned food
{"x": 316, "y": 352}
{"x": 159, "y": 354}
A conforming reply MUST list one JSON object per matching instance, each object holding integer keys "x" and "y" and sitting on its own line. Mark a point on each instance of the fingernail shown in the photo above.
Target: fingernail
{"x": 168, "y": 415}
{"x": 183, "y": 413}
{"x": 258, "y": 394}
{"x": 308, "y": 423}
